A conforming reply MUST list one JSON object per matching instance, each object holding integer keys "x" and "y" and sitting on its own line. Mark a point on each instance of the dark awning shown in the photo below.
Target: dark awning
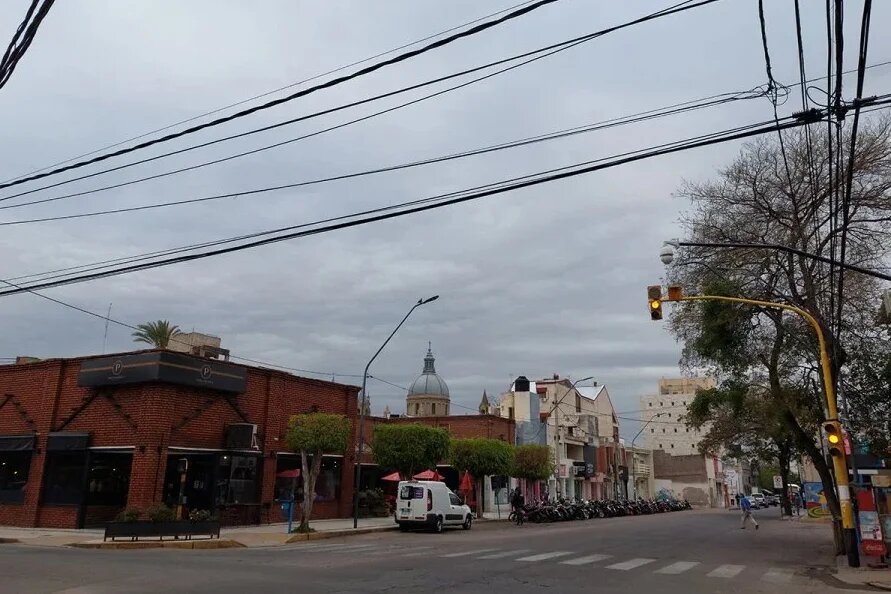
{"x": 67, "y": 441}
{"x": 16, "y": 443}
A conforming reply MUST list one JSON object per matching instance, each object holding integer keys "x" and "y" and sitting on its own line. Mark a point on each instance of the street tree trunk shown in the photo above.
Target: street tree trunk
{"x": 784, "y": 448}
{"x": 310, "y": 467}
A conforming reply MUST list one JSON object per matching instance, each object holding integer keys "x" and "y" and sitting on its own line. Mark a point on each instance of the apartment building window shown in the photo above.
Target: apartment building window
{"x": 661, "y": 404}
{"x": 578, "y": 403}
{"x": 669, "y": 415}
{"x": 672, "y": 402}
{"x": 663, "y": 430}
{"x": 650, "y": 404}
{"x": 652, "y": 430}
{"x": 672, "y": 446}
{"x": 675, "y": 429}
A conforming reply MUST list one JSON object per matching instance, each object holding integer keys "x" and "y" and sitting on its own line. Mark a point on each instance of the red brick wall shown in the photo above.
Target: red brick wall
{"x": 152, "y": 417}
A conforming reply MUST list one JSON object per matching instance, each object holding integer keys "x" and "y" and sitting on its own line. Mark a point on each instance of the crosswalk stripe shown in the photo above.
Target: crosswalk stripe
{"x": 544, "y": 556}
{"x": 391, "y": 551}
{"x": 585, "y": 560}
{"x": 504, "y": 554}
{"x": 630, "y": 564}
{"x": 679, "y": 567}
{"x": 467, "y": 553}
{"x": 338, "y": 548}
{"x": 778, "y": 576}
{"x": 727, "y": 571}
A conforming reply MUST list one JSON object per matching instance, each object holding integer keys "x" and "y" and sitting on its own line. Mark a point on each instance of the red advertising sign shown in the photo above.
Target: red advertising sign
{"x": 847, "y": 445}
{"x": 871, "y": 538}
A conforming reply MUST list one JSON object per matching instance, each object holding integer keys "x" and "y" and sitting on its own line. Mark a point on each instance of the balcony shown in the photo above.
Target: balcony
{"x": 641, "y": 469}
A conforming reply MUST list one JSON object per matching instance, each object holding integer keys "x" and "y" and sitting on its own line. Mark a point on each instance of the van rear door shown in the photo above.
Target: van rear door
{"x": 412, "y": 504}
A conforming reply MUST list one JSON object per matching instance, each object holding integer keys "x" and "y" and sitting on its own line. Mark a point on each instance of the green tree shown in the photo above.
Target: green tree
{"x": 783, "y": 195}
{"x": 158, "y": 334}
{"x": 313, "y": 435}
{"x": 482, "y": 457}
{"x": 533, "y": 462}
{"x": 409, "y": 449}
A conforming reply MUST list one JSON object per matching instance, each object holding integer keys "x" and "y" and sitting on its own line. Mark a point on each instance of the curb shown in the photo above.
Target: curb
{"x": 880, "y": 585}
{"x": 161, "y": 544}
{"x": 337, "y": 533}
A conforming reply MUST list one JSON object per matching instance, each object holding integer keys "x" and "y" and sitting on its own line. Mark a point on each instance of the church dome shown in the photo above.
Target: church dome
{"x": 429, "y": 383}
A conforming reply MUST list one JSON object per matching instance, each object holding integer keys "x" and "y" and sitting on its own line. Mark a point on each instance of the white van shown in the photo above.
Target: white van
{"x": 430, "y": 504}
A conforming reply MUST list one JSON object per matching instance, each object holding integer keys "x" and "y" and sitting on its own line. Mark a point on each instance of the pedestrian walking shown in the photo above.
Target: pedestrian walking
{"x": 746, "y": 506}
{"x": 518, "y": 503}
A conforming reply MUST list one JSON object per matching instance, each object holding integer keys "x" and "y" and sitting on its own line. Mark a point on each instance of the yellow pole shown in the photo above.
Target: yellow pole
{"x": 839, "y": 462}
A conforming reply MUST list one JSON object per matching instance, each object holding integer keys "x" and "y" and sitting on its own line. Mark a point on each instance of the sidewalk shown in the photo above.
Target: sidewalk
{"x": 267, "y": 535}
{"x": 863, "y": 575}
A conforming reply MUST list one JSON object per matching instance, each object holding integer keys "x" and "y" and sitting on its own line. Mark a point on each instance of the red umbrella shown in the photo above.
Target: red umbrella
{"x": 466, "y": 485}
{"x": 289, "y": 474}
{"x": 429, "y": 475}
{"x": 392, "y": 477}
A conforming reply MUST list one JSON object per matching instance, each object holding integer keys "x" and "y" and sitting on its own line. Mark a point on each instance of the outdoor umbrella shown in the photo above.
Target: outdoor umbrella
{"x": 429, "y": 475}
{"x": 392, "y": 477}
{"x": 466, "y": 485}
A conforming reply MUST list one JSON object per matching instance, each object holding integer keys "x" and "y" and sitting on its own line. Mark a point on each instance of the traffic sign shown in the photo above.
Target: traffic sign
{"x": 777, "y": 481}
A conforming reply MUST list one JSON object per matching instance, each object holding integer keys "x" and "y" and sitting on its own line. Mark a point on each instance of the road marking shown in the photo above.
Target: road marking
{"x": 679, "y": 567}
{"x": 544, "y": 556}
{"x": 505, "y": 554}
{"x": 393, "y": 550}
{"x": 585, "y": 560}
{"x": 467, "y": 553}
{"x": 332, "y": 548}
{"x": 727, "y": 571}
{"x": 778, "y": 576}
{"x": 630, "y": 564}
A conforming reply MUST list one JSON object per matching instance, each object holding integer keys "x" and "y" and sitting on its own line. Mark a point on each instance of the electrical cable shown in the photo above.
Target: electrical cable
{"x": 172, "y": 338}
{"x": 22, "y": 38}
{"x": 302, "y": 93}
{"x": 268, "y": 93}
{"x": 536, "y": 55}
{"x": 706, "y": 140}
{"x": 675, "y": 109}
{"x": 849, "y": 178}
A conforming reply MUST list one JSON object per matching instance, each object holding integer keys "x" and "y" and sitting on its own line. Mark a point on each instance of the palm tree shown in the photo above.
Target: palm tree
{"x": 157, "y": 334}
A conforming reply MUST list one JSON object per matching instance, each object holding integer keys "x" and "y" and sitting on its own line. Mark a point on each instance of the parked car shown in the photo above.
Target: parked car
{"x": 430, "y": 504}
{"x": 758, "y": 501}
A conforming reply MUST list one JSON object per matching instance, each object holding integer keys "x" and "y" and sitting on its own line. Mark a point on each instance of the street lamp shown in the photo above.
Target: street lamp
{"x": 633, "y": 459}
{"x": 361, "y": 432}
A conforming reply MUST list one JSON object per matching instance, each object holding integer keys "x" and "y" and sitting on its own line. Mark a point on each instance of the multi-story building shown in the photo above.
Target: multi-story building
{"x": 580, "y": 426}
{"x": 678, "y": 466}
{"x": 664, "y": 414}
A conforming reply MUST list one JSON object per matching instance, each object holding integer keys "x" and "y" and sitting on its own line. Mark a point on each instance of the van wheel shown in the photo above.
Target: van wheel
{"x": 438, "y": 526}
{"x": 468, "y": 523}
{"x": 403, "y": 528}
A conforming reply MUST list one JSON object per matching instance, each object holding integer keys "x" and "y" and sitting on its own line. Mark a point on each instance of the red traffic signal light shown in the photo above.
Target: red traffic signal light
{"x": 834, "y": 438}
{"x": 654, "y": 295}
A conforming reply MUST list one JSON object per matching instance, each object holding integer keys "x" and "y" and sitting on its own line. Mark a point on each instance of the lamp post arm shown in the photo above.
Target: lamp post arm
{"x": 786, "y": 249}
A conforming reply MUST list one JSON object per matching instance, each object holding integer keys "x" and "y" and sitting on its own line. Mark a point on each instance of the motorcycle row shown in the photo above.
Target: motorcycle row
{"x": 564, "y": 510}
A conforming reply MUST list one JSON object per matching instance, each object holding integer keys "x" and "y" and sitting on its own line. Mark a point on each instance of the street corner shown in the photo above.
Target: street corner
{"x": 161, "y": 544}
{"x": 301, "y": 537}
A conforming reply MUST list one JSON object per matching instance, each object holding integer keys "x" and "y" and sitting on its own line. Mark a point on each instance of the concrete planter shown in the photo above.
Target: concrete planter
{"x": 148, "y": 529}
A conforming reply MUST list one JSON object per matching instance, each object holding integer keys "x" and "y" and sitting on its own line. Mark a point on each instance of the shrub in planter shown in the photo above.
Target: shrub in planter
{"x": 128, "y": 515}
{"x": 161, "y": 513}
{"x": 200, "y": 515}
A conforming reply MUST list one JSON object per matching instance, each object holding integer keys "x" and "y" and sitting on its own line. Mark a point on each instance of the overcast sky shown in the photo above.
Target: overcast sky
{"x": 545, "y": 280}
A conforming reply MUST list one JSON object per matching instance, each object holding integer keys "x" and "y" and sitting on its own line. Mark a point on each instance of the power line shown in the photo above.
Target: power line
{"x": 533, "y": 56}
{"x": 22, "y": 38}
{"x": 172, "y": 338}
{"x": 675, "y": 109}
{"x": 302, "y": 93}
{"x": 272, "y": 92}
{"x": 849, "y": 181}
{"x": 428, "y": 204}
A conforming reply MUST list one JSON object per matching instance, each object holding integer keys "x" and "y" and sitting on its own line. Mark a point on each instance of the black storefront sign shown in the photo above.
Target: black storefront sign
{"x": 165, "y": 367}
{"x": 16, "y": 443}
{"x": 589, "y": 453}
{"x": 67, "y": 441}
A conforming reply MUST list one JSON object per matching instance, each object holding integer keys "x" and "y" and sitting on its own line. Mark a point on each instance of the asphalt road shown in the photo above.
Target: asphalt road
{"x": 677, "y": 553}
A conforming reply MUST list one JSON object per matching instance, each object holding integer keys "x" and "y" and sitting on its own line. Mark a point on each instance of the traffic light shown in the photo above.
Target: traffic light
{"x": 834, "y": 437}
{"x": 654, "y": 295}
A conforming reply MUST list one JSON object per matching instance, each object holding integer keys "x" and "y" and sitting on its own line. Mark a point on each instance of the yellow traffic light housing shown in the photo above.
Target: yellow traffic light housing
{"x": 834, "y": 438}
{"x": 654, "y": 295}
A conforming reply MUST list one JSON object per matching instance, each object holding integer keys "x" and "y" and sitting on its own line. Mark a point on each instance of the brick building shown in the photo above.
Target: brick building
{"x": 83, "y": 438}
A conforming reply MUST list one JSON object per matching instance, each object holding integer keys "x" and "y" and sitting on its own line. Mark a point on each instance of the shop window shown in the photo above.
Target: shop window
{"x": 14, "y": 476}
{"x": 242, "y": 487}
{"x": 108, "y": 481}
{"x": 64, "y": 482}
{"x": 328, "y": 482}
